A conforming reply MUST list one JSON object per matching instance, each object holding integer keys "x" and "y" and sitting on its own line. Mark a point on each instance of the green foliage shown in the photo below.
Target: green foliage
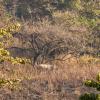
{"x": 19, "y": 60}
{"x": 94, "y": 84}
{"x": 98, "y": 77}
{"x": 76, "y": 4}
{"x": 90, "y": 96}
{"x": 3, "y": 52}
{"x": 66, "y": 18}
{"x": 90, "y": 23}
{"x": 10, "y": 83}
{"x": 5, "y": 35}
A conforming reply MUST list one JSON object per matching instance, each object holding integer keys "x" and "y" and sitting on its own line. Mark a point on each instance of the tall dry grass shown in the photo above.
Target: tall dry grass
{"x": 64, "y": 82}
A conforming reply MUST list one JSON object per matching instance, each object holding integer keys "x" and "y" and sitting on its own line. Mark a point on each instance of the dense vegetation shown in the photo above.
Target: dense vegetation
{"x": 51, "y": 32}
{"x": 67, "y": 13}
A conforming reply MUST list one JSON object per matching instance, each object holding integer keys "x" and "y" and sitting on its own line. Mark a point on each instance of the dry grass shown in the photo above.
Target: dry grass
{"x": 63, "y": 83}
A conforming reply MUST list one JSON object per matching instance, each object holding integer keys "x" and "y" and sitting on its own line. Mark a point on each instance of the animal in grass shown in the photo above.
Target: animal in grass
{"x": 47, "y": 66}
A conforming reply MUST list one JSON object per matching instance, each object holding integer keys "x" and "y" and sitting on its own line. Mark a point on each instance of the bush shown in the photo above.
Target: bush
{"x": 5, "y": 35}
{"x": 90, "y": 96}
{"x": 94, "y": 84}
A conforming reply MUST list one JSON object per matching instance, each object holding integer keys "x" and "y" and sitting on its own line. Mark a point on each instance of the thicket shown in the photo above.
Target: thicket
{"x": 5, "y": 35}
{"x": 7, "y": 28}
{"x": 41, "y": 8}
{"x": 55, "y": 38}
{"x": 65, "y": 14}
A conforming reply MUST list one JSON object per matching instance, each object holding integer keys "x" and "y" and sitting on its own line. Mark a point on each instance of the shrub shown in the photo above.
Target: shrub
{"x": 94, "y": 84}
{"x": 90, "y": 96}
{"x": 5, "y": 35}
